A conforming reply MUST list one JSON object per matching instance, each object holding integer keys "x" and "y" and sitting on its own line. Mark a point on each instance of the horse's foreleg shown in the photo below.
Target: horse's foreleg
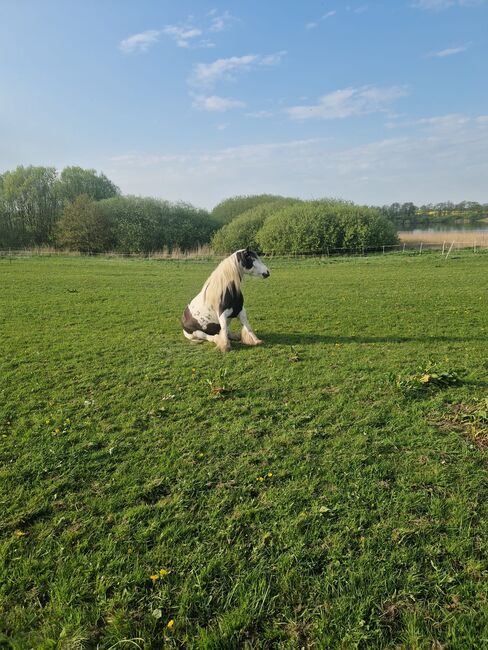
{"x": 247, "y": 335}
{"x": 223, "y": 342}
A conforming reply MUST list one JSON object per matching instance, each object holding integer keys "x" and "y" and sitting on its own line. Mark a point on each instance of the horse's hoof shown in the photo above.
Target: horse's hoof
{"x": 258, "y": 342}
{"x": 224, "y": 348}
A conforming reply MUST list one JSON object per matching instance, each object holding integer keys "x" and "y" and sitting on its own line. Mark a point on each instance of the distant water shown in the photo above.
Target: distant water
{"x": 449, "y": 228}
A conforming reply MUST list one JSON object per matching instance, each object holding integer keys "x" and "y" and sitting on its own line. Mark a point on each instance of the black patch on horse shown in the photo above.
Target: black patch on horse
{"x": 190, "y": 324}
{"x": 246, "y": 258}
{"x": 232, "y": 299}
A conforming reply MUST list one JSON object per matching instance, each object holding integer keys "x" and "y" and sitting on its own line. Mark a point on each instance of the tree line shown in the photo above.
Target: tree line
{"x": 81, "y": 209}
{"x": 408, "y": 215}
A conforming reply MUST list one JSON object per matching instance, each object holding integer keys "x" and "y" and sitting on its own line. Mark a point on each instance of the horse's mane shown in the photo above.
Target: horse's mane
{"x": 228, "y": 272}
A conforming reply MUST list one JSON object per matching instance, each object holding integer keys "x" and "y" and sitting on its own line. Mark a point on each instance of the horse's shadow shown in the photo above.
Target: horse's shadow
{"x": 299, "y": 338}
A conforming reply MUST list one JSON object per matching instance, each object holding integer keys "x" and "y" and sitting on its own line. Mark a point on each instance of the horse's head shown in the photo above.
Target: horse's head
{"x": 251, "y": 264}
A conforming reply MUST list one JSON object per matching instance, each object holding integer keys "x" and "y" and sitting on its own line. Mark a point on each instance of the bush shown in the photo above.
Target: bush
{"x": 313, "y": 227}
{"x": 242, "y": 231}
{"x": 229, "y": 209}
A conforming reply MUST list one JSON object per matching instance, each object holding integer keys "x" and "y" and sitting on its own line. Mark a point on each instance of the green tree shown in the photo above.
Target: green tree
{"x": 30, "y": 206}
{"x": 146, "y": 224}
{"x": 74, "y": 181}
{"x": 85, "y": 227}
{"x": 5, "y": 226}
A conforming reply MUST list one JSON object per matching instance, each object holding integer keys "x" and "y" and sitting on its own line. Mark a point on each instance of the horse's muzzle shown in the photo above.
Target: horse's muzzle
{"x": 266, "y": 275}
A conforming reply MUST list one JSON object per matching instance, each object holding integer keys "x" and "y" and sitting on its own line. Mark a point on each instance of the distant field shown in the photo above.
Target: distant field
{"x": 328, "y": 490}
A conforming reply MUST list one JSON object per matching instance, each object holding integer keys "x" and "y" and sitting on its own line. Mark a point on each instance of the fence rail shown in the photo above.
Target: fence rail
{"x": 205, "y": 253}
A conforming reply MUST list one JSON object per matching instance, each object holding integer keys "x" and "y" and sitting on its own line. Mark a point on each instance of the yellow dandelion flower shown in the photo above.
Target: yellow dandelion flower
{"x": 19, "y": 533}
{"x": 154, "y": 578}
{"x": 270, "y": 474}
{"x": 163, "y": 572}
{"x": 259, "y": 478}
{"x": 170, "y": 625}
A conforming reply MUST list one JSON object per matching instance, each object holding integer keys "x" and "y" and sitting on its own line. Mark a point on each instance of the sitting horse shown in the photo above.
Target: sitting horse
{"x": 207, "y": 316}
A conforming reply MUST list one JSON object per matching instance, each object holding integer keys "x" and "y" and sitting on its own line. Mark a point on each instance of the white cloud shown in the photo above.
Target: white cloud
{"x": 213, "y": 103}
{"x": 431, "y": 165}
{"x": 139, "y": 42}
{"x": 349, "y": 102}
{"x": 206, "y": 74}
{"x": 422, "y": 167}
{"x": 182, "y": 35}
{"x": 221, "y": 22}
{"x": 186, "y": 35}
{"x": 272, "y": 59}
{"x": 314, "y": 24}
{"x": 450, "y": 51}
{"x": 440, "y": 5}
{"x": 449, "y": 122}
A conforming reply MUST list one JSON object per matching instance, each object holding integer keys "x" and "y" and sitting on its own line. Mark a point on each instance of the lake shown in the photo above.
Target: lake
{"x": 465, "y": 227}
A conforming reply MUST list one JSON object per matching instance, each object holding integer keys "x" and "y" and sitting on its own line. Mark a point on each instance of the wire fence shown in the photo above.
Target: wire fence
{"x": 205, "y": 253}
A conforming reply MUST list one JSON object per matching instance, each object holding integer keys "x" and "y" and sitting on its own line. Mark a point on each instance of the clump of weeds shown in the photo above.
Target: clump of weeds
{"x": 427, "y": 380}
{"x": 219, "y": 386}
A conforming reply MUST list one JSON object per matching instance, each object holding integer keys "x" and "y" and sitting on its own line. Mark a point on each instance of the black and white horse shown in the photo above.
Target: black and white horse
{"x": 207, "y": 316}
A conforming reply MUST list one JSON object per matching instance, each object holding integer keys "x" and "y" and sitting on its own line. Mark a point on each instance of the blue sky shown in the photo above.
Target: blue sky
{"x": 373, "y": 101}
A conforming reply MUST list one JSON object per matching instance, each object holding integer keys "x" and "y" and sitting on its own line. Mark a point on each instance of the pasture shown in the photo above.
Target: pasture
{"x": 326, "y": 490}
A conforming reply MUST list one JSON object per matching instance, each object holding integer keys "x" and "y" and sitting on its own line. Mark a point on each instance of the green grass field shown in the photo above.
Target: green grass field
{"x": 334, "y": 495}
